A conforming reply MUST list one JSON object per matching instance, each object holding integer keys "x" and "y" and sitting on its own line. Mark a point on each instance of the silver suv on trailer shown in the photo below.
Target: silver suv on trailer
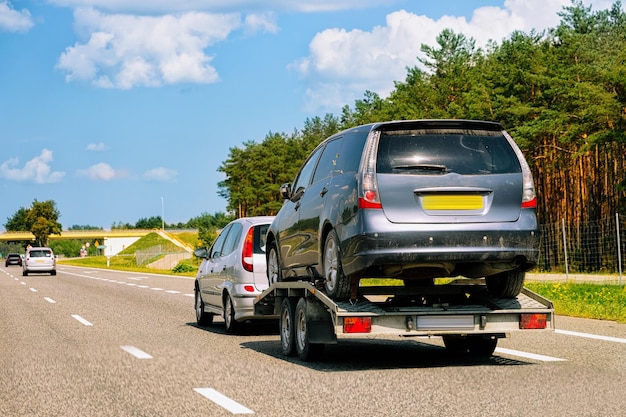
{"x": 413, "y": 200}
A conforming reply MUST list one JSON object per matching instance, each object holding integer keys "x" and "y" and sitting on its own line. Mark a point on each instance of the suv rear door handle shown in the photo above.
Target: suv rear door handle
{"x": 323, "y": 192}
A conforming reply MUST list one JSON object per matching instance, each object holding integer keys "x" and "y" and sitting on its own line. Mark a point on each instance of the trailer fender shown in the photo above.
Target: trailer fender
{"x": 319, "y": 323}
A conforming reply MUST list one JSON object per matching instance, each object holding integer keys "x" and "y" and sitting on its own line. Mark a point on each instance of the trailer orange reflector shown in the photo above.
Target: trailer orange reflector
{"x": 357, "y": 325}
{"x": 533, "y": 321}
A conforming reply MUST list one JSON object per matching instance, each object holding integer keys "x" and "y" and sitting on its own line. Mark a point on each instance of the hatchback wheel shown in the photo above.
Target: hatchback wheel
{"x": 230, "y": 323}
{"x": 202, "y": 317}
{"x": 336, "y": 284}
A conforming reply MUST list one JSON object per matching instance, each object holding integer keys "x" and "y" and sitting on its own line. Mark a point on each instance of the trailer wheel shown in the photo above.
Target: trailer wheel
{"x": 506, "y": 284}
{"x": 273, "y": 266}
{"x": 306, "y": 350}
{"x": 336, "y": 284}
{"x": 287, "y": 327}
{"x": 202, "y": 317}
{"x": 479, "y": 346}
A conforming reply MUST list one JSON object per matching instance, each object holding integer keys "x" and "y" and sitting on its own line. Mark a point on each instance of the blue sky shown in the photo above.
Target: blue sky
{"x": 124, "y": 109}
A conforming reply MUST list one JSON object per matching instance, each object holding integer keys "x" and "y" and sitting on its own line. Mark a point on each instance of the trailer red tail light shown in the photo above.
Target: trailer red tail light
{"x": 357, "y": 325}
{"x": 533, "y": 321}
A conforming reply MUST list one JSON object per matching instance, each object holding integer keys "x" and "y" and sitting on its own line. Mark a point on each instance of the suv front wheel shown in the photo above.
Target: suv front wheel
{"x": 336, "y": 284}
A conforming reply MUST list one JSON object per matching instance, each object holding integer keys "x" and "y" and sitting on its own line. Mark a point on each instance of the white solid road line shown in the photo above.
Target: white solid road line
{"x": 82, "y": 320}
{"x": 527, "y": 355}
{"x": 136, "y": 352}
{"x": 223, "y": 401}
{"x": 591, "y": 336}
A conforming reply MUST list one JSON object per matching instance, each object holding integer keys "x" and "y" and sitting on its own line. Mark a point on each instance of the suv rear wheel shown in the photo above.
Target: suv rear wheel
{"x": 506, "y": 284}
{"x": 336, "y": 284}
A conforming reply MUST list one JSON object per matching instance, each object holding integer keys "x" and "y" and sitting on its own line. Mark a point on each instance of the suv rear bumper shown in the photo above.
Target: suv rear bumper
{"x": 470, "y": 249}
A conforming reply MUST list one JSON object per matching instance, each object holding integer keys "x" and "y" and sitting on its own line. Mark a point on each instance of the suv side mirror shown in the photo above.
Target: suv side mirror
{"x": 285, "y": 191}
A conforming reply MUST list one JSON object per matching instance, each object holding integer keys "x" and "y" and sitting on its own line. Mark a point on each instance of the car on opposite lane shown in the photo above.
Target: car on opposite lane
{"x": 13, "y": 259}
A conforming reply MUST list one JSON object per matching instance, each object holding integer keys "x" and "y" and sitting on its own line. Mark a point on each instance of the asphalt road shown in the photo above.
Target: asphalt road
{"x": 92, "y": 342}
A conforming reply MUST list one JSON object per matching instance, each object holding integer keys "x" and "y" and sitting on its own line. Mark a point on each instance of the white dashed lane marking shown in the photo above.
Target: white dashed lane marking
{"x": 591, "y": 336}
{"x": 223, "y": 401}
{"x": 82, "y": 320}
{"x": 33, "y": 289}
{"x": 50, "y": 300}
{"x": 528, "y": 355}
{"x": 136, "y": 352}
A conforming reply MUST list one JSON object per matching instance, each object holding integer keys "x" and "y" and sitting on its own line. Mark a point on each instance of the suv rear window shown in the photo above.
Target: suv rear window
{"x": 441, "y": 151}
{"x": 39, "y": 253}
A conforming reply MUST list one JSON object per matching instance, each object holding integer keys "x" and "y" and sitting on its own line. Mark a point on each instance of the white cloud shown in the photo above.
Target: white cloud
{"x": 96, "y": 147}
{"x": 36, "y": 170}
{"x": 124, "y": 51}
{"x": 169, "y": 6}
{"x": 102, "y": 172}
{"x": 342, "y": 64}
{"x": 161, "y": 175}
{"x": 12, "y": 20}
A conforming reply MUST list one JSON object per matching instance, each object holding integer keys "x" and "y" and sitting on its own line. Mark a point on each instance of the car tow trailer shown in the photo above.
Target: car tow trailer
{"x": 469, "y": 320}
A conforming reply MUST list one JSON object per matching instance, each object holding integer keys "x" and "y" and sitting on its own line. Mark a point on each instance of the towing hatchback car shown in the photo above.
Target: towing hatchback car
{"x": 414, "y": 200}
{"x": 232, "y": 273}
{"x": 39, "y": 259}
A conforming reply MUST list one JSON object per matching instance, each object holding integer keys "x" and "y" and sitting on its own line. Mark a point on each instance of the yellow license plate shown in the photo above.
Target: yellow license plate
{"x": 452, "y": 202}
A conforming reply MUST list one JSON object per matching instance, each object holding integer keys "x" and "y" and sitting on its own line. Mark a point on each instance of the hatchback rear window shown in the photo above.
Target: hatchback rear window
{"x": 260, "y": 234}
{"x": 441, "y": 151}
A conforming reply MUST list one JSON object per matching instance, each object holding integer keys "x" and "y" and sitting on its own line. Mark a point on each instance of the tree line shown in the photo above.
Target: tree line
{"x": 561, "y": 93}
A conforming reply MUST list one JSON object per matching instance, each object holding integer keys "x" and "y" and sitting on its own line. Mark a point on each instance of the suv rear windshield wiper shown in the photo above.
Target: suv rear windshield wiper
{"x": 421, "y": 167}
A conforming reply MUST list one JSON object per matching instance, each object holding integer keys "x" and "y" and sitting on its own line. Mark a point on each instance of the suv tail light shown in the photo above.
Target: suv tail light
{"x": 246, "y": 253}
{"x": 529, "y": 197}
{"x": 368, "y": 192}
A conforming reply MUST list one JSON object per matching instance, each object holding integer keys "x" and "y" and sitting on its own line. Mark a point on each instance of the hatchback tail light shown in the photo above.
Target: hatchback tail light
{"x": 246, "y": 253}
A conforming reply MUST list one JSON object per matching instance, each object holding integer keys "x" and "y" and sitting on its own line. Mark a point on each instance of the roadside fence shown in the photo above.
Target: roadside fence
{"x": 577, "y": 247}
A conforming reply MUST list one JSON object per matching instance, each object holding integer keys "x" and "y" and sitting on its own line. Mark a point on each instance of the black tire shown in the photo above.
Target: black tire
{"x": 24, "y": 273}
{"x": 231, "y": 325}
{"x": 53, "y": 272}
{"x": 506, "y": 284}
{"x": 274, "y": 274}
{"x": 336, "y": 284}
{"x": 306, "y": 351}
{"x": 478, "y": 346}
{"x": 202, "y": 317}
{"x": 287, "y": 328}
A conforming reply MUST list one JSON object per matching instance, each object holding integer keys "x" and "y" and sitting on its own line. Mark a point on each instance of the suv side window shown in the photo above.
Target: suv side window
{"x": 304, "y": 176}
{"x": 328, "y": 160}
{"x": 216, "y": 249}
{"x": 351, "y": 152}
{"x": 231, "y": 240}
